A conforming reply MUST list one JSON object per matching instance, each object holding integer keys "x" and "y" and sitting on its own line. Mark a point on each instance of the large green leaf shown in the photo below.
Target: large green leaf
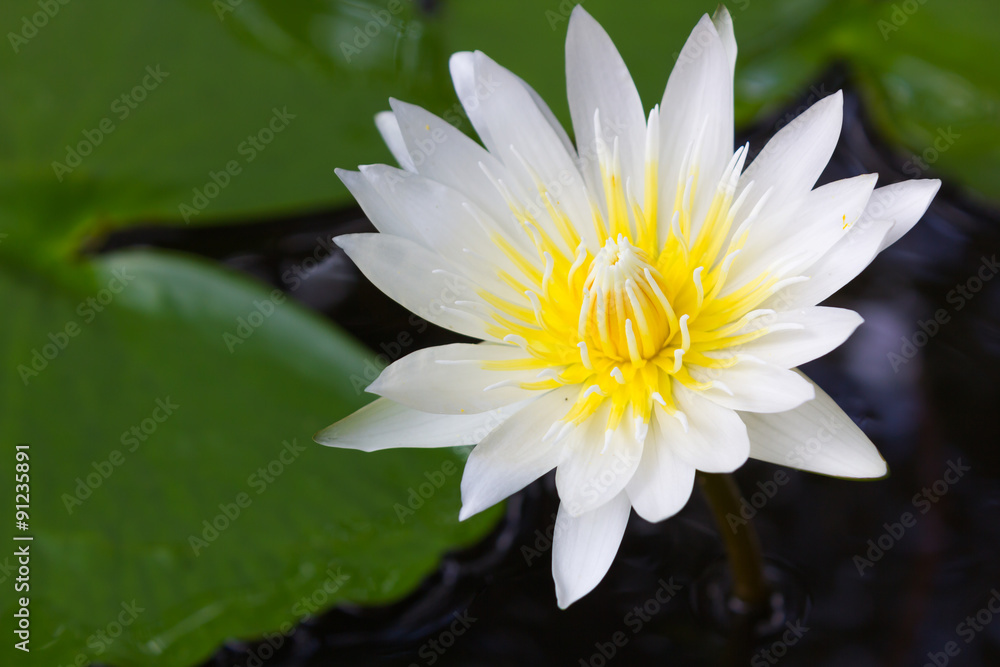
{"x": 208, "y": 84}
{"x": 117, "y": 516}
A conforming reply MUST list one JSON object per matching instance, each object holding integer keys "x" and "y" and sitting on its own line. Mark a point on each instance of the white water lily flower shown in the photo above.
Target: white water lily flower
{"x": 642, "y": 299}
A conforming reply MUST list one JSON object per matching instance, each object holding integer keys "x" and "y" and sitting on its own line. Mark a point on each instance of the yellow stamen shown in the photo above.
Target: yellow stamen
{"x": 629, "y": 321}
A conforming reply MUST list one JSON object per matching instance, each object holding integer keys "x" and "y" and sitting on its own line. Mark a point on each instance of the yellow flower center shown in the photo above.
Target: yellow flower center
{"x": 625, "y": 315}
{"x": 652, "y": 307}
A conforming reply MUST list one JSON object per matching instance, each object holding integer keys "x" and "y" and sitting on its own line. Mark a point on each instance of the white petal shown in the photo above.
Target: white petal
{"x": 451, "y": 379}
{"x": 715, "y": 439}
{"x": 824, "y": 217}
{"x": 401, "y": 203}
{"x": 822, "y": 330}
{"x": 514, "y": 126}
{"x": 417, "y": 279}
{"x": 470, "y": 92}
{"x": 383, "y": 424}
{"x": 376, "y": 207}
{"x": 596, "y": 470}
{"x": 422, "y": 210}
{"x": 387, "y": 126}
{"x": 597, "y": 79}
{"x": 845, "y": 260}
{"x": 818, "y": 437}
{"x": 584, "y": 547}
{"x": 443, "y": 221}
{"x": 789, "y": 165}
{"x": 662, "y": 483}
{"x": 473, "y": 88}
{"x": 444, "y": 154}
{"x": 756, "y": 386}
{"x": 549, "y": 117}
{"x": 724, "y": 25}
{"x": 698, "y": 101}
{"x": 513, "y": 456}
{"x": 902, "y": 204}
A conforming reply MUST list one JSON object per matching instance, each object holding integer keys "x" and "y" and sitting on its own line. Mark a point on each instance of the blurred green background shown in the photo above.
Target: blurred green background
{"x": 161, "y": 394}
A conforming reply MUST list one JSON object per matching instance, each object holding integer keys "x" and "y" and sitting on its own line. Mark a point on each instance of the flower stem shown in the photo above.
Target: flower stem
{"x": 742, "y": 543}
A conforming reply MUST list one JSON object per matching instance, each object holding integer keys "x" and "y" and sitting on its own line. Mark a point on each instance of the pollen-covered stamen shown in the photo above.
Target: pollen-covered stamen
{"x": 625, "y": 315}
{"x": 581, "y": 257}
{"x": 698, "y": 286}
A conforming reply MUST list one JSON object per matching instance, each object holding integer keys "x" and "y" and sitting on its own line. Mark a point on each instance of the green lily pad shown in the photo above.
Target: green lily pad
{"x": 169, "y": 416}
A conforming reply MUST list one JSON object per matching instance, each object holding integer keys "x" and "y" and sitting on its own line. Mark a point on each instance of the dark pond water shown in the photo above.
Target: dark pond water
{"x": 861, "y": 588}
